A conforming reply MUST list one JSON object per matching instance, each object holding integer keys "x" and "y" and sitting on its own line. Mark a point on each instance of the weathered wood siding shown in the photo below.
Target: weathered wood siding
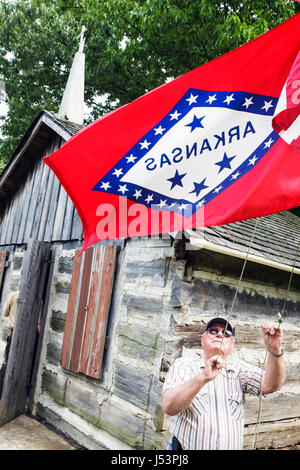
{"x": 40, "y": 209}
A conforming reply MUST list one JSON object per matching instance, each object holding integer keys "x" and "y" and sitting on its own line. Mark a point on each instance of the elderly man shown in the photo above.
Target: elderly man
{"x": 204, "y": 395}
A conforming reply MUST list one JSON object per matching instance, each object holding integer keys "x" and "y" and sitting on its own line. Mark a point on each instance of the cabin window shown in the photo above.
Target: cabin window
{"x": 88, "y": 309}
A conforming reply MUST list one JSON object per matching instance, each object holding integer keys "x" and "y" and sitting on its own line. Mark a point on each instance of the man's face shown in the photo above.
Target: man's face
{"x": 213, "y": 344}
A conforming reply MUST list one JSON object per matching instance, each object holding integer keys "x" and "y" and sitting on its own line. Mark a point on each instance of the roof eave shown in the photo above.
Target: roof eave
{"x": 199, "y": 243}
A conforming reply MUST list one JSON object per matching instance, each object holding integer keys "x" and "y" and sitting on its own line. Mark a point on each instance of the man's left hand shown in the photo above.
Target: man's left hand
{"x": 272, "y": 337}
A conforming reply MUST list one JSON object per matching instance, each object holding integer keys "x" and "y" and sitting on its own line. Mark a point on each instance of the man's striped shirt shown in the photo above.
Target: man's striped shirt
{"x": 214, "y": 420}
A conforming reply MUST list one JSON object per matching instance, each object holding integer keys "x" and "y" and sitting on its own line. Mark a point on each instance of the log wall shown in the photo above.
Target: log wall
{"x": 161, "y": 300}
{"x": 207, "y": 290}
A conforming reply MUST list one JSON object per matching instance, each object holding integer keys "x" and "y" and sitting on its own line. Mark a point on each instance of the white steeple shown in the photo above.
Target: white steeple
{"x": 72, "y": 104}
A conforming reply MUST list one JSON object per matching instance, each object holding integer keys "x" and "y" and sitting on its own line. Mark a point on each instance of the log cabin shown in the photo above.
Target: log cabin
{"x": 114, "y": 320}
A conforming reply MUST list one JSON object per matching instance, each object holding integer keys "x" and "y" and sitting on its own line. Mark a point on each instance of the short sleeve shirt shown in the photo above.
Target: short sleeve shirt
{"x": 214, "y": 420}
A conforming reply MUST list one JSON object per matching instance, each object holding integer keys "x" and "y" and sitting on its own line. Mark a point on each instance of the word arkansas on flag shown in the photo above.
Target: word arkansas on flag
{"x": 216, "y": 145}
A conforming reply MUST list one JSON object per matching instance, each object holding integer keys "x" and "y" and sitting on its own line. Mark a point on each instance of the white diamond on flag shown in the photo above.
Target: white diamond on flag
{"x": 215, "y": 138}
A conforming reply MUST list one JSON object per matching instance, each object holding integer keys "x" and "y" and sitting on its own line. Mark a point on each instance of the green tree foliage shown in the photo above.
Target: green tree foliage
{"x": 132, "y": 46}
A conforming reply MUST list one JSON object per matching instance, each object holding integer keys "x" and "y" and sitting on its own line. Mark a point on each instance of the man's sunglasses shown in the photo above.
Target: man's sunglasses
{"x": 215, "y": 331}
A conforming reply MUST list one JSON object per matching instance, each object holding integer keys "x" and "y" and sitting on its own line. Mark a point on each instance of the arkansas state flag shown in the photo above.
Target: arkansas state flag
{"x": 200, "y": 150}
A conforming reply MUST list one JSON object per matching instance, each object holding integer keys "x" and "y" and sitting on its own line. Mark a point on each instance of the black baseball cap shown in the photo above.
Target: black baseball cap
{"x": 222, "y": 321}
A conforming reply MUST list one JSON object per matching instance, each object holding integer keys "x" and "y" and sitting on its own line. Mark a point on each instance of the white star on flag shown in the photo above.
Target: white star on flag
{"x": 200, "y": 203}
{"x": 248, "y": 101}
{"x": 253, "y": 160}
{"x": 234, "y": 177}
{"x": 217, "y": 190}
{"x": 123, "y": 189}
{"x": 159, "y": 130}
{"x": 267, "y": 105}
{"x": 192, "y": 99}
{"x": 228, "y": 99}
{"x": 130, "y": 159}
{"x": 175, "y": 115}
{"x": 149, "y": 198}
{"x": 138, "y": 193}
{"x": 105, "y": 185}
{"x": 145, "y": 144}
{"x": 211, "y": 99}
{"x": 162, "y": 203}
{"x": 118, "y": 173}
{"x": 268, "y": 143}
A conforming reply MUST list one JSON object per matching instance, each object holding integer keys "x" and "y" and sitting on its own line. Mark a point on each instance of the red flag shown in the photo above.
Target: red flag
{"x": 287, "y": 122}
{"x": 197, "y": 151}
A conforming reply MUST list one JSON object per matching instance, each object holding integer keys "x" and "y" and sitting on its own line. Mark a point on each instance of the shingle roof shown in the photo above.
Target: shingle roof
{"x": 68, "y": 125}
{"x": 276, "y": 238}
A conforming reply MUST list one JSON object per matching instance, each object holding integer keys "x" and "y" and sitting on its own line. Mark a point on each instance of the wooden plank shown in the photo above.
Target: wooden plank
{"x": 48, "y": 192}
{"x": 81, "y": 312}
{"x": 21, "y": 198}
{"x": 18, "y": 372}
{"x": 77, "y": 232}
{"x": 57, "y": 210}
{"x": 52, "y": 210}
{"x": 1, "y": 226}
{"x": 10, "y": 221}
{"x": 3, "y": 255}
{"x": 59, "y": 215}
{"x": 93, "y": 303}
{"x": 108, "y": 271}
{"x": 132, "y": 384}
{"x": 45, "y": 170}
{"x": 43, "y": 317}
{"x": 32, "y": 204}
{"x": 274, "y": 435}
{"x": 44, "y": 215}
{"x": 71, "y": 309}
{"x": 274, "y": 407}
{"x": 27, "y": 190}
{"x": 68, "y": 219}
{"x": 5, "y": 224}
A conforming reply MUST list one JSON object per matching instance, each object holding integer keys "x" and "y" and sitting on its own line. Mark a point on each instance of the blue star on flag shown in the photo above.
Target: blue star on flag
{"x": 176, "y": 180}
{"x": 225, "y": 163}
{"x": 196, "y": 122}
{"x": 198, "y": 187}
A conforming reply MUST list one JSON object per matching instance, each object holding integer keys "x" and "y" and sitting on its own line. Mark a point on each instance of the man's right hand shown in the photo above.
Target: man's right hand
{"x": 212, "y": 368}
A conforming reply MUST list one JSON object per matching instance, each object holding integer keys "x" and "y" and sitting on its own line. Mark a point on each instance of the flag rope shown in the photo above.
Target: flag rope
{"x": 240, "y": 280}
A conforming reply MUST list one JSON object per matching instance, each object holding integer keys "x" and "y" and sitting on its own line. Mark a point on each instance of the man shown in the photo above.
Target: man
{"x": 204, "y": 395}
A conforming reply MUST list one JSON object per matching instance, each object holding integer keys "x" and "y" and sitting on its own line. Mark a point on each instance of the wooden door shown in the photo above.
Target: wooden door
{"x": 20, "y": 363}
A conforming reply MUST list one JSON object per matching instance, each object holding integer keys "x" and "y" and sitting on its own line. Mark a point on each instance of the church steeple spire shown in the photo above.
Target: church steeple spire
{"x": 72, "y": 104}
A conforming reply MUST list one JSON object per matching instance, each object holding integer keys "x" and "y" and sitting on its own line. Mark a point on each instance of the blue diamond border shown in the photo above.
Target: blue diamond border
{"x": 158, "y": 201}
